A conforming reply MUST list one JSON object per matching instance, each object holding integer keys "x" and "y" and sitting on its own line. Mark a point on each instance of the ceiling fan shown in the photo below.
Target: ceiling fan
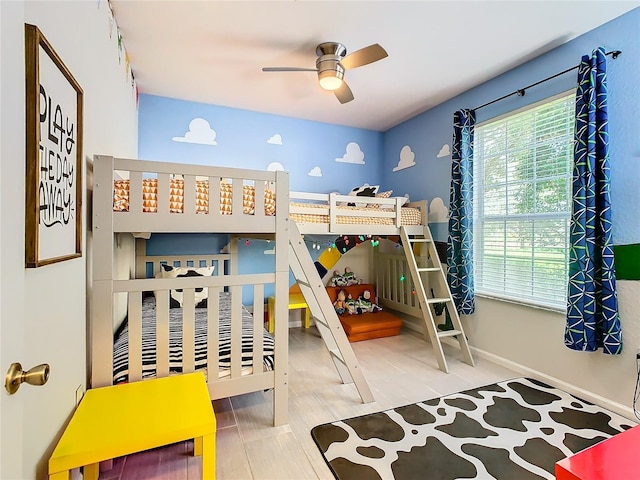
{"x": 331, "y": 63}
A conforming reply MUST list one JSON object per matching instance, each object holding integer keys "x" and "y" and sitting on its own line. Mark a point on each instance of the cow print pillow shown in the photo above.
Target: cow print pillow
{"x": 365, "y": 190}
{"x": 176, "y": 297}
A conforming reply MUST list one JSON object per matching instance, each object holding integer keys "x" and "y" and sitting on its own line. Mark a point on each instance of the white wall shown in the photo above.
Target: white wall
{"x": 530, "y": 340}
{"x": 50, "y": 302}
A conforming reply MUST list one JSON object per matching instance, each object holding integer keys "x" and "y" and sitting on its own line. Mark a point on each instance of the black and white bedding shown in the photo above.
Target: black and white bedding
{"x": 121, "y": 346}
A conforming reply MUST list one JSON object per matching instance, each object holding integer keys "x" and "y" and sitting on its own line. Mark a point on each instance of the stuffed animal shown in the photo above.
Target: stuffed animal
{"x": 346, "y": 279}
{"x": 336, "y": 280}
{"x": 351, "y": 305}
{"x": 340, "y": 303}
{"x": 350, "y": 277}
{"x": 365, "y": 305}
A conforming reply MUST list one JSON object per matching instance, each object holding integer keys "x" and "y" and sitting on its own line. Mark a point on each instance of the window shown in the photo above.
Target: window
{"x": 522, "y": 203}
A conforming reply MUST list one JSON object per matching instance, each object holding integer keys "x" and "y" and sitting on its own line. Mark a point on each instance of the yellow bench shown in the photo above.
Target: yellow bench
{"x": 122, "y": 419}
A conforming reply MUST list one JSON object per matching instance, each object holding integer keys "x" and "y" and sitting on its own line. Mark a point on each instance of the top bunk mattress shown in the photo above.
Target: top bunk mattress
{"x": 349, "y": 215}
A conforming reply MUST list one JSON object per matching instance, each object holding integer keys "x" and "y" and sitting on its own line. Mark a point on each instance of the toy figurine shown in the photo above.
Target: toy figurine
{"x": 365, "y": 305}
{"x": 351, "y": 305}
{"x": 346, "y": 279}
{"x": 340, "y": 303}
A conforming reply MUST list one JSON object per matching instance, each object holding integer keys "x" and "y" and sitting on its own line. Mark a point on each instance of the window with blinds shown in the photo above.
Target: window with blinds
{"x": 522, "y": 203}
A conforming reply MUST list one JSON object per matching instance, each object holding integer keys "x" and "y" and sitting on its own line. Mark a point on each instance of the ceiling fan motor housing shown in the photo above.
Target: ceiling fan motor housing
{"x": 329, "y": 66}
{"x": 330, "y": 72}
{"x": 331, "y": 48}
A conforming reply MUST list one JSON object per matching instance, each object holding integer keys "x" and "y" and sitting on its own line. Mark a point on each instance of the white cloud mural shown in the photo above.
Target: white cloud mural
{"x": 315, "y": 172}
{"x": 407, "y": 159}
{"x": 438, "y": 212}
{"x": 275, "y": 167}
{"x": 352, "y": 155}
{"x": 275, "y": 139}
{"x": 444, "y": 151}
{"x": 200, "y": 132}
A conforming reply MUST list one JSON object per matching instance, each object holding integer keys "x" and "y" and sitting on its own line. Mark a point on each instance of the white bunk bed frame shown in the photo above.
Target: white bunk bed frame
{"x": 389, "y": 208}
{"x": 107, "y": 224}
{"x": 388, "y": 266}
{"x": 411, "y": 283}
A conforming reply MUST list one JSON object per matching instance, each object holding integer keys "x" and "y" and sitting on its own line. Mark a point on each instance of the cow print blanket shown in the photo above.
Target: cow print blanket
{"x": 512, "y": 430}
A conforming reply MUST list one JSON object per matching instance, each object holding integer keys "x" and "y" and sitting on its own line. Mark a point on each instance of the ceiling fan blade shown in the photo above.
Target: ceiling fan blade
{"x": 364, "y": 56}
{"x": 344, "y": 94}
{"x": 288, "y": 69}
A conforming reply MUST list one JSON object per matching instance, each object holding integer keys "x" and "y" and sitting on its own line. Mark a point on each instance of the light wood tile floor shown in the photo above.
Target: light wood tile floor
{"x": 400, "y": 370}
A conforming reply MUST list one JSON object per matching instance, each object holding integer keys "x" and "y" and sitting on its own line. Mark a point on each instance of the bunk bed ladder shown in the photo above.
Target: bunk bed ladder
{"x": 324, "y": 315}
{"x": 428, "y": 275}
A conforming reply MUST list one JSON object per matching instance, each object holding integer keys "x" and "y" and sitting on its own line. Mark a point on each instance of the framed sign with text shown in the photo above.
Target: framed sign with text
{"x": 53, "y": 229}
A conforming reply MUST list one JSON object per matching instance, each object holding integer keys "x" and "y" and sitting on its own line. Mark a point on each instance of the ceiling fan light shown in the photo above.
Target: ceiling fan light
{"x": 329, "y": 82}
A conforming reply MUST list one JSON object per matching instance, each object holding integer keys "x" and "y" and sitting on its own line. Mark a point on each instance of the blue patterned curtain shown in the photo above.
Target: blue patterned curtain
{"x": 460, "y": 243}
{"x": 592, "y": 306}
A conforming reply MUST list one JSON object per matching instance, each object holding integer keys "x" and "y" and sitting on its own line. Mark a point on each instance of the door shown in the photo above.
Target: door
{"x": 42, "y": 310}
{"x": 11, "y": 268}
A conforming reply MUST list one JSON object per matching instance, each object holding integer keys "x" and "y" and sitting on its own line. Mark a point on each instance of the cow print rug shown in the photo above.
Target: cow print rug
{"x": 513, "y": 430}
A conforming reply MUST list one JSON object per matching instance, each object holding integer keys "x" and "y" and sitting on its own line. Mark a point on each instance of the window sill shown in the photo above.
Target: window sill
{"x": 522, "y": 303}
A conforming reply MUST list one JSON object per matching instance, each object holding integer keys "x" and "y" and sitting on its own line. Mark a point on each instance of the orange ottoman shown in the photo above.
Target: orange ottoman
{"x": 370, "y": 325}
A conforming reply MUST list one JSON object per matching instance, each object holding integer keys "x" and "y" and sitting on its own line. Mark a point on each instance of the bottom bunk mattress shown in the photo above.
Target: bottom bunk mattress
{"x": 121, "y": 341}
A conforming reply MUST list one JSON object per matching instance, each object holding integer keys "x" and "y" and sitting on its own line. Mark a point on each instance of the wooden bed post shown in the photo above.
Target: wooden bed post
{"x": 101, "y": 323}
{"x": 281, "y": 329}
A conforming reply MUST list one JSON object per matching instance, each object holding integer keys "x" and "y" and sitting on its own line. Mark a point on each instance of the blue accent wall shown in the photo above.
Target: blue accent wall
{"x": 241, "y": 140}
{"x": 429, "y": 131}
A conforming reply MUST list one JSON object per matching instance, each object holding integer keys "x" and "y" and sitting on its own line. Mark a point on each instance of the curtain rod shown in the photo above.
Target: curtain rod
{"x": 520, "y": 92}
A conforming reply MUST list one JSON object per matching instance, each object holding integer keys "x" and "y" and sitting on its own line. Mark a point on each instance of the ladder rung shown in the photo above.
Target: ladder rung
{"x": 448, "y": 333}
{"x": 429, "y": 269}
{"x": 419, "y": 240}
{"x": 438, "y": 300}
{"x": 321, "y": 322}
{"x": 302, "y": 282}
{"x": 336, "y": 355}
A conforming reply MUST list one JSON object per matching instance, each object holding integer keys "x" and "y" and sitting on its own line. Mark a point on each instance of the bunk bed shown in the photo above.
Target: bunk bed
{"x": 155, "y": 339}
{"x": 139, "y": 198}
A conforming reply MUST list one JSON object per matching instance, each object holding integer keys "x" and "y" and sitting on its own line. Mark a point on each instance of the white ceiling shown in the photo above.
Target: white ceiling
{"x": 213, "y": 51}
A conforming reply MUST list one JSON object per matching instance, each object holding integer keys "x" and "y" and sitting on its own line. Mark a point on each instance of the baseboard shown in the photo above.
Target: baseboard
{"x": 616, "y": 407}
{"x": 297, "y": 323}
{"x": 620, "y": 409}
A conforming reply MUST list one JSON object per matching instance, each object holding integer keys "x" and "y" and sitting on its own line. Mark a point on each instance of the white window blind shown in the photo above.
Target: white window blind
{"x": 522, "y": 203}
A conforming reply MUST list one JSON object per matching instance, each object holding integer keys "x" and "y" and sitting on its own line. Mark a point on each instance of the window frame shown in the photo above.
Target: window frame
{"x": 478, "y": 219}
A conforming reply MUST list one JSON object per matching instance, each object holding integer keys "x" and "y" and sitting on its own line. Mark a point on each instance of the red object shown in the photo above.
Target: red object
{"x": 616, "y": 458}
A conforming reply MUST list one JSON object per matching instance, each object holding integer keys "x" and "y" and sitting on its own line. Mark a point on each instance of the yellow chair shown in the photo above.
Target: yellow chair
{"x": 114, "y": 421}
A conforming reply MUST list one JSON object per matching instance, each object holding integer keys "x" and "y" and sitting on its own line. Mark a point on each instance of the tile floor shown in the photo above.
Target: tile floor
{"x": 400, "y": 370}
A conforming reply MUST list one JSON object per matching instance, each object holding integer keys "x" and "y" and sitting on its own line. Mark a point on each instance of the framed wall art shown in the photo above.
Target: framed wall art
{"x": 53, "y": 229}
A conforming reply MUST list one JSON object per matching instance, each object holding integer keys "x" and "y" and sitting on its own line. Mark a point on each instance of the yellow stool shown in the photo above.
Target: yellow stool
{"x": 122, "y": 419}
{"x": 296, "y": 300}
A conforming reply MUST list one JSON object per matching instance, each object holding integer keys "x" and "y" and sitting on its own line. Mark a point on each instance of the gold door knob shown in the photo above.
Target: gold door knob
{"x": 37, "y": 375}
